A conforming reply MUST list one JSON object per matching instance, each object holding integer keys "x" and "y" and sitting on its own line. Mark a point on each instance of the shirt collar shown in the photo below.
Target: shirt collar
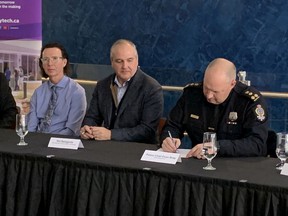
{"x": 119, "y": 84}
{"x": 63, "y": 82}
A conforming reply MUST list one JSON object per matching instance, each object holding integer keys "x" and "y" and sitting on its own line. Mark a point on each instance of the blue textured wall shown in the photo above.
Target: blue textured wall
{"x": 177, "y": 38}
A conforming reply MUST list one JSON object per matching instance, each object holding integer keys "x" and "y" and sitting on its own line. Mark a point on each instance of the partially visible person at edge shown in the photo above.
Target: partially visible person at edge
{"x": 7, "y": 73}
{"x": 71, "y": 104}
{"x": 235, "y": 111}
{"x": 16, "y": 80}
{"x": 25, "y": 106}
{"x": 8, "y": 109}
{"x": 126, "y": 105}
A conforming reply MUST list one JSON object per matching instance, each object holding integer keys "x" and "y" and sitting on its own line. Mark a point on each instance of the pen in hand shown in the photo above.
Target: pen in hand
{"x": 172, "y": 139}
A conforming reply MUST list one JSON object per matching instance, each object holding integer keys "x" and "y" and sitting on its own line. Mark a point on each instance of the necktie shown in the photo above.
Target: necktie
{"x": 46, "y": 122}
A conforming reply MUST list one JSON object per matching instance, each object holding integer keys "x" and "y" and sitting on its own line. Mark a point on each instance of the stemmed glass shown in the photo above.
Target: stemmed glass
{"x": 21, "y": 128}
{"x": 210, "y": 148}
{"x": 282, "y": 149}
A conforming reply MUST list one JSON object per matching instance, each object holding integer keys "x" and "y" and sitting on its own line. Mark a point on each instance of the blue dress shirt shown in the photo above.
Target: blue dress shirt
{"x": 69, "y": 111}
{"x": 121, "y": 89}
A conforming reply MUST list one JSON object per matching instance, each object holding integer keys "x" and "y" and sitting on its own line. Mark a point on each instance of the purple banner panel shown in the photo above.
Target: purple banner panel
{"x": 21, "y": 19}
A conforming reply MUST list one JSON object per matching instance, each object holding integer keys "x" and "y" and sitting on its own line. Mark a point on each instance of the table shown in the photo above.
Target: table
{"x": 108, "y": 178}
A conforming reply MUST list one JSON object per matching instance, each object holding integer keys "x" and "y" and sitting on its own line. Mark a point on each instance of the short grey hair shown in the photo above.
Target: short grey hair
{"x": 122, "y": 41}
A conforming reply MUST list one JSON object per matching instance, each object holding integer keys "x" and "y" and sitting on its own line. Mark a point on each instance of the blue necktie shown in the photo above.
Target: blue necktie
{"x": 46, "y": 122}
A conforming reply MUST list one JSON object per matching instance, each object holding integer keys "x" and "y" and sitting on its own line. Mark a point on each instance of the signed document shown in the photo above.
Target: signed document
{"x": 183, "y": 152}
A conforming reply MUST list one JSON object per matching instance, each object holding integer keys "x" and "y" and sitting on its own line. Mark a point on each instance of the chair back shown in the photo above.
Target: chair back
{"x": 160, "y": 128}
{"x": 271, "y": 144}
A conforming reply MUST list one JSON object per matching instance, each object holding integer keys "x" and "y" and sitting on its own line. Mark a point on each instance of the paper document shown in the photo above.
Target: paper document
{"x": 182, "y": 152}
{"x": 284, "y": 170}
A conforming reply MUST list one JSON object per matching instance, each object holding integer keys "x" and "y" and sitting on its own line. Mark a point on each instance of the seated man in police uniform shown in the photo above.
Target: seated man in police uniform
{"x": 235, "y": 111}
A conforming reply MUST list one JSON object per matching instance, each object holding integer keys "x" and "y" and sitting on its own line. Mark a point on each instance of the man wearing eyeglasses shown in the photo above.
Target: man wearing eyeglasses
{"x": 127, "y": 105}
{"x": 58, "y": 106}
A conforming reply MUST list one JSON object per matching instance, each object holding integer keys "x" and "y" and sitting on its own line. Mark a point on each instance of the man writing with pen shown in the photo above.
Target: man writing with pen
{"x": 235, "y": 111}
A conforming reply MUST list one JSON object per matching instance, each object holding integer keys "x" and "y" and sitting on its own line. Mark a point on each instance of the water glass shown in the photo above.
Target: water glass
{"x": 210, "y": 147}
{"x": 21, "y": 128}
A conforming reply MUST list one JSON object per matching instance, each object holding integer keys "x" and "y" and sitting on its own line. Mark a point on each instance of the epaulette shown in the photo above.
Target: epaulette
{"x": 254, "y": 96}
{"x": 247, "y": 91}
{"x": 193, "y": 85}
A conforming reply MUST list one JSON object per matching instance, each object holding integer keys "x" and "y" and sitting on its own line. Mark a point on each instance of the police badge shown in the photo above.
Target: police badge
{"x": 232, "y": 117}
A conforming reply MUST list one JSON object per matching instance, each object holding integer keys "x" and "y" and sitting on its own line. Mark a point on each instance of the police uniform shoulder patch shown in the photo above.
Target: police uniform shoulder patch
{"x": 260, "y": 113}
{"x": 196, "y": 84}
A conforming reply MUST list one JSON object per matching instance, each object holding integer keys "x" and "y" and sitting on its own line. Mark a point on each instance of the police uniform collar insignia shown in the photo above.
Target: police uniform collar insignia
{"x": 260, "y": 113}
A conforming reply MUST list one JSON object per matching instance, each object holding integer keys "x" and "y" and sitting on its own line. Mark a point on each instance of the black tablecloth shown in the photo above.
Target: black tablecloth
{"x": 108, "y": 178}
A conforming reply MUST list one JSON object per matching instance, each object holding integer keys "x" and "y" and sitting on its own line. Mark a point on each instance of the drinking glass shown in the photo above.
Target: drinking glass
{"x": 210, "y": 148}
{"x": 21, "y": 128}
{"x": 282, "y": 149}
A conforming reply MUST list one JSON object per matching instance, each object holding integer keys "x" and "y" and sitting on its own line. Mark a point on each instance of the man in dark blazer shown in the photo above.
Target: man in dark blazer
{"x": 8, "y": 108}
{"x": 127, "y": 105}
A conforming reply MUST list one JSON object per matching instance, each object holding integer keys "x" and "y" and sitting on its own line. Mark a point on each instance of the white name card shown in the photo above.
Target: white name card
{"x": 284, "y": 170}
{"x": 183, "y": 152}
{"x": 161, "y": 157}
{"x": 65, "y": 143}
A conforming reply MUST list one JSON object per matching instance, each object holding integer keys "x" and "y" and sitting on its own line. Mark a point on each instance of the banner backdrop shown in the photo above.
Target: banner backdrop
{"x": 20, "y": 44}
{"x": 20, "y": 19}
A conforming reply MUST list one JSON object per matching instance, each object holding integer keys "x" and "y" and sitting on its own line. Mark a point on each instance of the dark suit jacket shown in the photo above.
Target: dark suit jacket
{"x": 8, "y": 108}
{"x": 138, "y": 114}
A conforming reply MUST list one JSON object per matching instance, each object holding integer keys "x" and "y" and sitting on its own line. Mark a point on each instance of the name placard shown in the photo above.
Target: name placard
{"x": 65, "y": 143}
{"x": 284, "y": 170}
{"x": 161, "y": 157}
{"x": 183, "y": 152}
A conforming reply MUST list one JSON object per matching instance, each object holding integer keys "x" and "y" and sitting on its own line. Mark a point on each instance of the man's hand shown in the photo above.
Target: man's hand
{"x": 196, "y": 151}
{"x": 86, "y": 132}
{"x": 170, "y": 144}
{"x": 101, "y": 133}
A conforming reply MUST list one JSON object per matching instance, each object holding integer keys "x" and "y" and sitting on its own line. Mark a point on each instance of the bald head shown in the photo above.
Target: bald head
{"x": 221, "y": 67}
{"x": 219, "y": 79}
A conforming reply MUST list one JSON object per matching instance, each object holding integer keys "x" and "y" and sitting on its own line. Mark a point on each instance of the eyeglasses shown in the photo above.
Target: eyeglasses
{"x": 53, "y": 59}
